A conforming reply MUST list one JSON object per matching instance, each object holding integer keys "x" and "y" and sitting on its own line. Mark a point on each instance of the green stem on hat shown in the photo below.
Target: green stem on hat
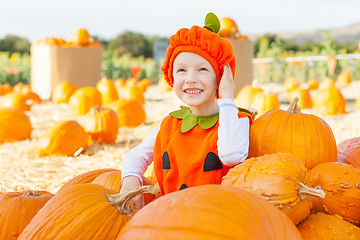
{"x": 212, "y": 22}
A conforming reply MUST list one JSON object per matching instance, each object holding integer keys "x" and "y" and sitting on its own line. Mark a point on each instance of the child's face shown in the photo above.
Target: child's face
{"x": 195, "y": 83}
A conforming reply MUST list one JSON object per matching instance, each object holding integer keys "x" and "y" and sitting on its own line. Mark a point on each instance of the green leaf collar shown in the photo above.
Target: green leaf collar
{"x": 190, "y": 120}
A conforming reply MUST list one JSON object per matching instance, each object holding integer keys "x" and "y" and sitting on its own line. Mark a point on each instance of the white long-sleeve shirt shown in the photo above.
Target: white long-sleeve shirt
{"x": 232, "y": 143}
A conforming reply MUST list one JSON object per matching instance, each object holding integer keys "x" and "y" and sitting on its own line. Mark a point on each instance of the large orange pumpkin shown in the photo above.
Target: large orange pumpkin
{"x": 82, "y": 211}
{"x": 102, "y": 124}
{"x": 321, "y": 226}
{"x": 62, "y": 92}
{"x": 341, "y": 183}
{"x": 349, "y": 151}
{"x": 131, "y": 112}
{"x": 17, "y": 209}
{"x": 278, "y": 178}
{"x": 210, "y": 212}
{"x": 83, "y": 99}
{"x": 15, "y": 125}
{"x": 65, "y": 138}
{"x": 306, "y": 136}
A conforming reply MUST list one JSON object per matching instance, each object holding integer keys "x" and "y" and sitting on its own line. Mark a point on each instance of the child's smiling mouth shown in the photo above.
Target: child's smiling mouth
{"x": 193, "y": 91}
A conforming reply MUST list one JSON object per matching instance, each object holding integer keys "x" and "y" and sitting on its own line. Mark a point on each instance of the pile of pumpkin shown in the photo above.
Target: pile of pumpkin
{"x": 296, "y": 184}
{"x": 79, "y": 38}
{"x": 98, "y": 113}
{"x": 325, "y": 97}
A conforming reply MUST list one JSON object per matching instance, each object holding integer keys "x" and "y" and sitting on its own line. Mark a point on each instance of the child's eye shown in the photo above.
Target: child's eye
{"x": 181, "y": 70}
{"x": 203, "y": 69}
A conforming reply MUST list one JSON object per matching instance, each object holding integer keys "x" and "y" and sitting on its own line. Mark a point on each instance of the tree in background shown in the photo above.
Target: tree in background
{"x": 14, "y": 44}
{"x": 133, "y": 44}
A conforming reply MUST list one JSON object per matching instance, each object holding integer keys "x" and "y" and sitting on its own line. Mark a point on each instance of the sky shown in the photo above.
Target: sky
{"x": 36, "y": 19}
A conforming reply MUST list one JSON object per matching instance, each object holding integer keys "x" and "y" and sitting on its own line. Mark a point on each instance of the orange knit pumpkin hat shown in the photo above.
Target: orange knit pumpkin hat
{"x": 203, "y": 41}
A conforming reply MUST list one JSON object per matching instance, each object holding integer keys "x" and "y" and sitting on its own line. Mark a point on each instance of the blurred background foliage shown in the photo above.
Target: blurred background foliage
{"x": 130, "y": 48}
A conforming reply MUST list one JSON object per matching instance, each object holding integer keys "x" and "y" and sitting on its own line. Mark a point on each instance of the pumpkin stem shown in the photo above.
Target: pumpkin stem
{"x": 294, "y": 107}
{"x": 122, "y": 200}
{"x": 96, "y": 109}
{"x": 308, "y": 192}
{"x": 31, "y": 193}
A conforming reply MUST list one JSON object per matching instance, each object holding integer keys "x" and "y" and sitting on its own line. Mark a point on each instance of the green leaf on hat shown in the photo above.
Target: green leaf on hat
{"x": 212, "y": 22}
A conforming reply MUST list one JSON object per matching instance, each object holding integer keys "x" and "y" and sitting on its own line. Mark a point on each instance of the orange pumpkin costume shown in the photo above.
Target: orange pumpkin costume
{"x": 188, "y": 159}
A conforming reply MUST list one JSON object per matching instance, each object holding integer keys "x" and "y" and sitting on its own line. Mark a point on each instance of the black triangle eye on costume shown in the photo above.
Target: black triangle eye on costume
{"x": 165, "y": 161}
{"x": 212, "y": 162}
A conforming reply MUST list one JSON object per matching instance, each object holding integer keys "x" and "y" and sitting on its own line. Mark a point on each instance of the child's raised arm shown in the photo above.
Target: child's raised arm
{"x": 233, "y": 133}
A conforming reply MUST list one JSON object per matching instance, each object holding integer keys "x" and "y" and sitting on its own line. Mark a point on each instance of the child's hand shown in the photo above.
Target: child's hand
{"x": 227, "y": 85}
{"x": 130, "y": 183}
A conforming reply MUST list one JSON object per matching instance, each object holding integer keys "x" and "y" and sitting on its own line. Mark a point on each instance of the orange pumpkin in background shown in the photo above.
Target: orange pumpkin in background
{"x": 15, "y": 100}
{"x": 329, "y": 101}
{"x": 246, "y": 95}
{"x": 265, "y": 101}
{"x": 144, "y": 84}
{"x": 291, "y": 83}
{"x": 228, "y": 27}
{"x": 5, "y": 88}
{"x": 163, "y": 85}
{"x": 62, "y": 92}
{"x": 102, "y": 124}
{"x": 22, "y": 88}
{"x": 312, "y": 84}
{"x": 83, "y": 99}
{"x": 18, "y": 208}
{"x": 304, "y": 96}
{"x": 15, "y": 125}
{"x": 65, "y": 138}
{"x": 131, "y": 112}
{"x": 80, "y": 37}
{"x": 349, "y": 151}
{"x": 343, "y": 79}
{"x": 108, "y": 90}
{"x": 306, "y": 136}
{"x": 134, "y": 92}
{"x": 327, "y": 82}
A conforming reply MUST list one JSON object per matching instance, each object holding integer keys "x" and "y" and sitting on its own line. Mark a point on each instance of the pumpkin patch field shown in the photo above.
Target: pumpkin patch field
{"x": 302, "y": 170}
